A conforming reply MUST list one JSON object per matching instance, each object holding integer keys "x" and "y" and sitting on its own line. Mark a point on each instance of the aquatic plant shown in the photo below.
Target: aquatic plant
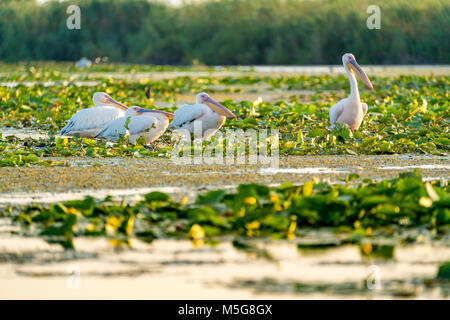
{"x": 406, "y": 113}
{"x": 254, "y": 210}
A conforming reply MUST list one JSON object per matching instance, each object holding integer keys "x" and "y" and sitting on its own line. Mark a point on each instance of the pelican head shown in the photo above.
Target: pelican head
{"x": 134, "y": 111}
{"x": 103, "y": 99}
{"x": 204, "y": 98}
{"x": 350, "y": 64}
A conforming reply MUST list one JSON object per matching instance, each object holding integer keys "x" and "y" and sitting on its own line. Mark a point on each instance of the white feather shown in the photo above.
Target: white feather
{"x": 336, "y": 111}
{"x": 188, "y": 117}
{"x": 186, "y": 114}
{"x": 88, "y": 122}
{"x": 351, "y": 110}
{"x": 149, "y": 126}
{"x": 364, "y": 107}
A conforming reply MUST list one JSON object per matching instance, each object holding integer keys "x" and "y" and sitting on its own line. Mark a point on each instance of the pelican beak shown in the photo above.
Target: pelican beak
{"x": 117, "y": 103}
{"x": 217, "y": 107}
{"x": 167, "y": 114}
{"x": 361, "y": 74}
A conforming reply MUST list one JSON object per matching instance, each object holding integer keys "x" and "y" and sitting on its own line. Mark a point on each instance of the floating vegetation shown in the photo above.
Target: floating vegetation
{"x": 444, "y": 271}
{"x": 24, "y": 152}
{"x": 317, "y": 246}
{"x": 256, "y": 211}
{"x": 407, "y": 114}
{"x": 382, "y": 251}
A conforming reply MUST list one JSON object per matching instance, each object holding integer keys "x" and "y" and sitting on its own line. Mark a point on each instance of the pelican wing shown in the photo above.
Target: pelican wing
{"x": 141, "y": 124}
{"x": 336, "y": 111}
{"x": 91, "y": 118}
{"x": 136, "y": 125}
{"x": 364, "y": 107}
{"x": 186, "y": 114}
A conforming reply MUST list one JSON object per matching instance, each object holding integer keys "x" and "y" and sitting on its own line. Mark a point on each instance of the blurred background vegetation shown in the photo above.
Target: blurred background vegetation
{"x": 228, "y": 32}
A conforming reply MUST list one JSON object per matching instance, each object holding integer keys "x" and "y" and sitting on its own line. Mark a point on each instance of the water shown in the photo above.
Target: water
{"x": 177, "y": 269}
{"x": 49, "y": 197}
{"x": 31, "y": 267}
{"x": 13, "y": 84}
{"x": 312, "y": 170}
{"x": 22, "y": 133}
{"x": 424, "y": 166}
{"x": 94, "y": 78}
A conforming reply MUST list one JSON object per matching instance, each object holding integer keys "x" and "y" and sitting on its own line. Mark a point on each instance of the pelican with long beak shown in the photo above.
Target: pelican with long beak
{"x": 351, "y": 110}
{"x": 139, "y": 122}
{"x": 205, "y": 117}
{"x": 90, "y": 121}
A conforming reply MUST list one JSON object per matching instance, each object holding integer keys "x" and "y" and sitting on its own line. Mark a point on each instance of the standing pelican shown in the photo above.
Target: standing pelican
{"x": 147, "y": 123}
{"x": 88, "y": 122}
{"x": 207, "y": 115}
{"x": 350, "y": 110}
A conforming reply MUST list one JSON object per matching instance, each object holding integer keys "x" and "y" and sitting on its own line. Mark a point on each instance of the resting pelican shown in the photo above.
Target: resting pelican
{"x": 147, "y": 123}
{"x": 350, "y": 110}
{"x": 207, "y": 115}
{"x": 88, "y": 122}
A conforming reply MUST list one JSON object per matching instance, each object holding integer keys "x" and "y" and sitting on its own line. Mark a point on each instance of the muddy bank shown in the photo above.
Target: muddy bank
{"x": 120, "y": 176}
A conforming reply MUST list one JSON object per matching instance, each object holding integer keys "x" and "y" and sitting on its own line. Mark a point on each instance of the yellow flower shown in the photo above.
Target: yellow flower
{"x": 356, "y": 224}
{"x": 72, "y": 210}
{"x": 252, "y": 225}
{"x": 292, "y": 227}
{"x": 196, "y": 232}
{"x": 112, "y": 224}
{"x": 361, "y": 213}
{"x": 367, "y": 248}
{"x": 308, "y": 188}
{"x": 425, "y": 202}
{"x": 184, "y": 201}
{"x": 250, "y": 200}
{"x": 274, "y": 198}
{"x": 129, "y": 226}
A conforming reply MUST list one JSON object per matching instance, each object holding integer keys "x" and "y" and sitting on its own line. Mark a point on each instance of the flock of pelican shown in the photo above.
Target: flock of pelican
{"x": 108, "y": 118}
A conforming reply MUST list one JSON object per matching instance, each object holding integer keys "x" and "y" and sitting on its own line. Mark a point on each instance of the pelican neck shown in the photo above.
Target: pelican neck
{"x": 354, "y": 92}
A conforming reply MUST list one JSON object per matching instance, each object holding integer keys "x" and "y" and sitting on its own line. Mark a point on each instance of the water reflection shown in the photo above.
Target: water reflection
{"x": 248, "y": 269}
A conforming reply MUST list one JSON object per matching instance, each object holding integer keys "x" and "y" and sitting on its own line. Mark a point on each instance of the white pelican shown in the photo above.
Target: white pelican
{"x": 207, "y": 115}
{"x": 147, "y": 123}
{"x": 88, "y": 122}
{"x": 350, "y": 110}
